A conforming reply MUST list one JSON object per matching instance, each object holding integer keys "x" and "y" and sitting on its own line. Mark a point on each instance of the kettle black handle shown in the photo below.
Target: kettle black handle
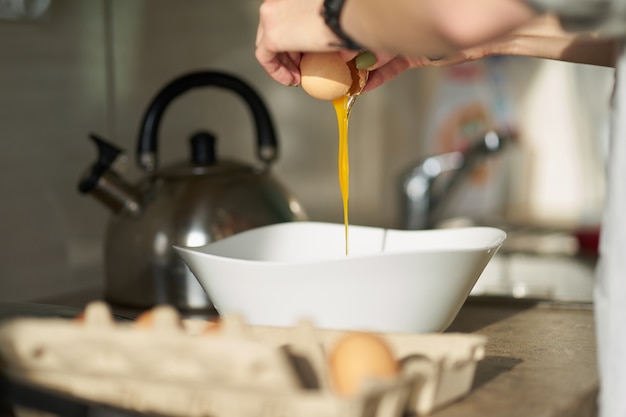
{"x": 267, "y": 147}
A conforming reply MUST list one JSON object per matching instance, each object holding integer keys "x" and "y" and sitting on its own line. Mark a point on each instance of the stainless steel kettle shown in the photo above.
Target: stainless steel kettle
{"x": 190, "y": 203}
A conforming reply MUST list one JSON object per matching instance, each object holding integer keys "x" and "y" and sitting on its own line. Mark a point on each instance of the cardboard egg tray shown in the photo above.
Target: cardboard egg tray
{"x": 177, "y": 367}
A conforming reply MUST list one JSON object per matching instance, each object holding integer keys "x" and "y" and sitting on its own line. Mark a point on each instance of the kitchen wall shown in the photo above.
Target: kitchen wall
{"x": 93, "y": 66}
{"x": 53, "y": 91}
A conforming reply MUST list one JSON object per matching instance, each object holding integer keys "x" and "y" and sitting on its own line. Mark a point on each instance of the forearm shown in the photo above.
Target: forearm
{"x": 395, "y": 26}
{"x": 543, "y": 37}
{"x": 430, "y": 27}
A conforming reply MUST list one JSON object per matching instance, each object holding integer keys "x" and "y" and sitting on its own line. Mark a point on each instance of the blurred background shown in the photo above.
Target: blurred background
{"x": 71, "y": 67}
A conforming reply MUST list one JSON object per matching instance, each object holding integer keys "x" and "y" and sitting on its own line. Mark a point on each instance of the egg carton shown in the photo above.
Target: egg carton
{"x": 188, "y": 368}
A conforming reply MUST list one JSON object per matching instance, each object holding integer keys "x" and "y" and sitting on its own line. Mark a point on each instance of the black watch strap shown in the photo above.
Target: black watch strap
{"x": 331, "y": 13}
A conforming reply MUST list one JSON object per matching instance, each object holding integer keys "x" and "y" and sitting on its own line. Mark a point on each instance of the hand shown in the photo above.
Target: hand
{"x": 289, "y": 27}
{"x": 388, "y": 67}
{"x": 286, "y": 28}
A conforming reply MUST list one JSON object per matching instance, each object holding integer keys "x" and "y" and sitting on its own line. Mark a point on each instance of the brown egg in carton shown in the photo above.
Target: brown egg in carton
{"x": 162, "y": 364}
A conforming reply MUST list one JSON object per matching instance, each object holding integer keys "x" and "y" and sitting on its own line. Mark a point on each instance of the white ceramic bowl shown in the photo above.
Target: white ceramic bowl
{"x": 391, "y": 280}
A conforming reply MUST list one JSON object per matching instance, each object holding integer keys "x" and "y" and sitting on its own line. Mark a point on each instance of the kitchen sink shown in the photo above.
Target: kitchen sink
{"x": 544, "y": 278}
{"x": 542, "y": 266}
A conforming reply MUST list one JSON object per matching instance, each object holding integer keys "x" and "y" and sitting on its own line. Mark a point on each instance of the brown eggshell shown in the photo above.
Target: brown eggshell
{"x": 80, "y": 317}
{"x": 358, "y": 357}
{"x": 213, "y": 326}
{"x": 145, "y": 319}
{"x": 162, "y": 315}
{"x": 325, "y": 76}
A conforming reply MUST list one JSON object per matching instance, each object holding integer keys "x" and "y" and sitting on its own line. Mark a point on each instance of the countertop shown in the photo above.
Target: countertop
{"x": 540, "y": 358}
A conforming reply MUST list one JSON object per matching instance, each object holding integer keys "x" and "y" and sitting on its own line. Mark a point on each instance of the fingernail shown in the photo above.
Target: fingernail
{"x": 364, "y": 60}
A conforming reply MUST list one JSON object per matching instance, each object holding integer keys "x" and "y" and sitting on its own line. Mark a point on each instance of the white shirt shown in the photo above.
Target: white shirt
{"x": 610, "y": 287}
{"x": 608, "y": 17}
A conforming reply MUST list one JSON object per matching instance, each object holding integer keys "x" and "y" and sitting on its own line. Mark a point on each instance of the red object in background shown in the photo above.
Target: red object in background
{"x": 588, "y": 241}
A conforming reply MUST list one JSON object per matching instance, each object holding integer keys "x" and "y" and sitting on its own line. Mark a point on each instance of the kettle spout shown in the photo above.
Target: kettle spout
{"x": 104, "y": 183}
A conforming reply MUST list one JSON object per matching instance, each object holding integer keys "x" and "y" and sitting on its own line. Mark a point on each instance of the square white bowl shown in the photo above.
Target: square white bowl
{"x": 390, "y": 281}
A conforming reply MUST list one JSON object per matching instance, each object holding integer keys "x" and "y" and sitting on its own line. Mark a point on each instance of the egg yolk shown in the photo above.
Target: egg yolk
{"x": 341, "y": 108}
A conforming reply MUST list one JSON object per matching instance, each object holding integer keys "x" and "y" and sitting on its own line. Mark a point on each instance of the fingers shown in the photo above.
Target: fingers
{"x": 369, "y": 60}
{"x": 291, "y": 63}
{"x": 388, "y": 67}
{"x": 347, "y": 54}
{"x": 382, "y": 59}
{"x": 386, "y": 72}
{"x": 282, "y": 67}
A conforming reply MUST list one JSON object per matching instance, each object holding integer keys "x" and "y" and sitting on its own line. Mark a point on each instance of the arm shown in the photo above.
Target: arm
{"x": 541, "y": 37}
{"x": 430, "y": 27}
{"x": 405, "y": 32}
{"x": 412, "y": 27}
{"x": 545, "y": 38}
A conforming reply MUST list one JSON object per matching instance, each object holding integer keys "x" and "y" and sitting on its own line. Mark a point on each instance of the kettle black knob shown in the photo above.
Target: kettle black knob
{"x": 203, "y": 148}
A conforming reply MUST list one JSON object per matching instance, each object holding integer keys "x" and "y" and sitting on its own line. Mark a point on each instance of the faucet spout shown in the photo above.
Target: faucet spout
{"x": 422, "y": 189}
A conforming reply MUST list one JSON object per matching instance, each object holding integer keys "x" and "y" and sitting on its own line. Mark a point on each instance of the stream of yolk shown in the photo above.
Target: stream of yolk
{"x": 341, "y": 108}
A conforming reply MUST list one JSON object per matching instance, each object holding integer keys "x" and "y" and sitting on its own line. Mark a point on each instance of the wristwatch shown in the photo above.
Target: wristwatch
{"x": 331, "y": 13}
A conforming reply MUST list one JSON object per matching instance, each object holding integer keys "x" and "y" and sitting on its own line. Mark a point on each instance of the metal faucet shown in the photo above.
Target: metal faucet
{"x": 423, "y": 194}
